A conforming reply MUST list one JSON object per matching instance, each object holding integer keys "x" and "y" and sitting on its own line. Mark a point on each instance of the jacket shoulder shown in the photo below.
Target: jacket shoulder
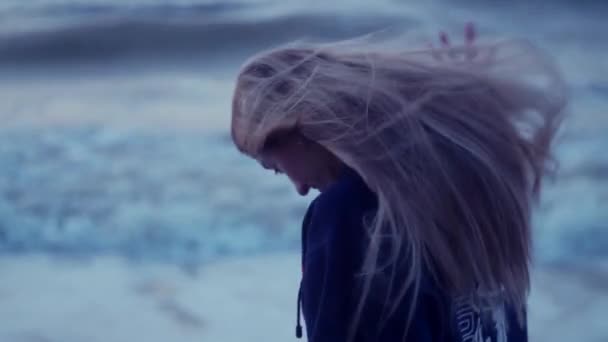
{"x": 348, "y": 194}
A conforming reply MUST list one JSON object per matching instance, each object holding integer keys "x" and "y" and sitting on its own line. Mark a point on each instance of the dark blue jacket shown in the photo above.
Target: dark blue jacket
{"x": 333, "y": 247}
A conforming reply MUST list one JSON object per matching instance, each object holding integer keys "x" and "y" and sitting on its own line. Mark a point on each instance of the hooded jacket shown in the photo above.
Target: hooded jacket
{"x": 334, "y": 241}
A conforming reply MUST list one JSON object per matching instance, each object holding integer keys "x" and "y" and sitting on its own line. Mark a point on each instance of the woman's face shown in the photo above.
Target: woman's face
{"x": 307, "y": 164}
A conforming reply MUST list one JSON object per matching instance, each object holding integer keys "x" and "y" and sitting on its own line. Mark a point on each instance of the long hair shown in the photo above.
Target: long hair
{"x": 453, "y": 142}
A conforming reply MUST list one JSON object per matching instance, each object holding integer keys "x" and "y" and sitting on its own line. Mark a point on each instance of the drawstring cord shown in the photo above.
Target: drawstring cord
{"x": 298, "y": 324}
{"x": 305, "y": 223}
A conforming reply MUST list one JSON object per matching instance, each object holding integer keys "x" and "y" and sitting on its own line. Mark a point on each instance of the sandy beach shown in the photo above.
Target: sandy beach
{"x": 242, "y": 299}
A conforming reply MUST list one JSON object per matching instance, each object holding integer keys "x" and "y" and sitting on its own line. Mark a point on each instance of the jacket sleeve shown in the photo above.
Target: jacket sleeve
{"x": 327, "y": 276}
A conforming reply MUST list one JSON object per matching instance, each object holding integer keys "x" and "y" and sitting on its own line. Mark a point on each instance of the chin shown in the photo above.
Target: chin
{"x": 320, "y": 188}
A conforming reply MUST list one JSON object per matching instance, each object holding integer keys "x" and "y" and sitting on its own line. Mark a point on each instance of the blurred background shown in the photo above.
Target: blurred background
{"x": 127, "y": 215}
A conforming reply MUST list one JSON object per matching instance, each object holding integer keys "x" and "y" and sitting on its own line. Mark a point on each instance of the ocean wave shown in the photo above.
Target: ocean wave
{"x": 175, "y": 198}
{"x": 196, "y": 39}
{"x": 107, "y": 8}
{"x": 186, "y": 198}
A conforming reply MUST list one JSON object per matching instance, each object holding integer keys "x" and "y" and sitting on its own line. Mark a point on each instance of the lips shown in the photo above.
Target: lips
{"x": 303, "y": 189}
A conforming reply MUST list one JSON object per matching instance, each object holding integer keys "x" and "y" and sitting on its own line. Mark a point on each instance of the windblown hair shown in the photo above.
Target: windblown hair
{"x": 454, "y": 142}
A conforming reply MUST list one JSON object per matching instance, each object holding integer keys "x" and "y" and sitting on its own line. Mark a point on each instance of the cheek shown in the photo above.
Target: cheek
{"x": 296, "y": 168}
{"x": 299, "y": 162}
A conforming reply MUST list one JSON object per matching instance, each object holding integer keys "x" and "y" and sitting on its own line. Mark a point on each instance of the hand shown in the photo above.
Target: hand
{"x": 454, "y": 53}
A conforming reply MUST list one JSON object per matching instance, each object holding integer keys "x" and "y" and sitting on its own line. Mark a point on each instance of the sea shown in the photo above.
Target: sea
{"x": 115, "y": 114}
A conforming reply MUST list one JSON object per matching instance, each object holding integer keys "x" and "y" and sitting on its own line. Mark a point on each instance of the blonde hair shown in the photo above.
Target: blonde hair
{"x": 454, "y": 143}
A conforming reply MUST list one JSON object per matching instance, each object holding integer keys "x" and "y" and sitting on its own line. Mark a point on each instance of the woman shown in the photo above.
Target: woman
{"x": 428, "y": 162}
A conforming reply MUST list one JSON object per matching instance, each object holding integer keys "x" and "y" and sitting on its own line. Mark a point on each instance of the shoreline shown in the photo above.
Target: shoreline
{"x": 109, "y": 299}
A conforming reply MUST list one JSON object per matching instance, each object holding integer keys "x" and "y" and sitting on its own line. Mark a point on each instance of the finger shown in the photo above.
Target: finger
{"x": 443, "y": 38}
{"x": 469, "y": 33}
{"x": 445, "y": 44}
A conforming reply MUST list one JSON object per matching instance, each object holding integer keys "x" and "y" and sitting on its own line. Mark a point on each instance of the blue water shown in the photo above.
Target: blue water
{"x": 90, "y": 190}
{"x": 93, "y": 159}
{"x": 188, "y": 198}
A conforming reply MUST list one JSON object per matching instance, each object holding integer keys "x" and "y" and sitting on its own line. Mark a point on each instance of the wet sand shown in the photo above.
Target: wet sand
{"x": 243, "y": 299}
